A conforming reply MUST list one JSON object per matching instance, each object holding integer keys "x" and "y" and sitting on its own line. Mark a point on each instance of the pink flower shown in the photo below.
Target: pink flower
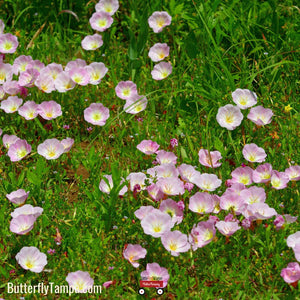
{"x": 67, "y": 143}
{"x": 106, "y": 188}
{"x": 155, "y": 272}
{"x": 262, "y": 173}
{"x": 157, "y": 223}
{"x": 260, "y": 115}
{"x": 209, "y": 159}
{"x": 18, "y": 196}
{"x": 30, "y": 258}
{"x": 126, "y": 90}
{"x": 28, "y": 77}
{"x": 188, "y": 172}
{"x": 29, "y": 110}
{"x": 242, "y": 175}
{"x": 12, "y": 87}
{"x": 279, "y": 222}
{"x": 135, "y": 104}
{"x": 201, "y": 203}
{"x": 22, "y": 224}
{"x": 158, "y": 20}
{"x": 253, "y": 194}
{"x": 207, "y": 182}
{"x": 100, "y": 21}
{"x": 18, "y": 150}
{"x": 63, "y": 82}
{"x": 108, "y": 283}
{"x": 8, "y": 140}
{"x": 51, "y": 149}
{"x": 92, "y": 42}
{"x": 227, "y": 228}
{"x": 244, "y": 98}
{"x": 202, "y": 234}
{"x": 161, "y": 70}
{"x": 293, "y": 172}
{"x": 253, "y": 153}
{"x": 297, "y": 251}
{"x": 261, "y": 211}
{"x": 52, "y": 70}
{"x": 8, "y": 43}
{"x": 49, "y": 110}
{"x": 164, "y": 157}
{"x": 80, "y": 281}
{"x": 172, "y": 208}
{"x": 27, "y": 209}
{"x": 45, "y": 83}
{"x": 108, "y": 6}
{"x": 176, "y": 242}
{"x": 231, "y": 201}
{"x": 137, "y": 178}
{"x": 148, "y": 147}
{"x": 6, "y": 72}
{"x": 155, "y": 192}
{"x": 2, "y": 26}
{"x": 163, "y": 171}
{"x": 97, "y": 71}
{"x": 293, "y": 239}
{"x": 229, "y": 116}
{"x": 143, "y": 211}
{"x": 21, "y": 63}
{"x": 171, "y": 186}
{"x": 133, "y": 253}
{"x": 291, "y": 273}
{"x": 11, "y": 104}
{"x": 158, "y": 52}
{"x": 96, "y": 114}
{"x": 80, "y": 75}
{"x": 279, "y": 180}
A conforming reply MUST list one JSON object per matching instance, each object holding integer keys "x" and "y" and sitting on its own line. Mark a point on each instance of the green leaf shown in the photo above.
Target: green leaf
{"x": 191, "y": 46}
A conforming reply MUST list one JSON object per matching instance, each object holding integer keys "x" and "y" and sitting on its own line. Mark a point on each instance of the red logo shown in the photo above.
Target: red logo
{"x": 151, "y": 283}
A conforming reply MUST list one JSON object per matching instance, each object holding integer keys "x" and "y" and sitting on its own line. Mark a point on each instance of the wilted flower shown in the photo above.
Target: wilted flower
{"x": 30, "y": 258}
{"x": 161, "y": 70}
{"x": 229, "y": 116}
{"x": 158, "y": 20}
{"x": 133, "y": 253}
{"x": 244, "y": 98}
{"x": 279, "y": 222}
{"x": 100, "y": 21}
{"x": 260, "y": 115}
{"x": 96, "y": 114}
{"x": 18, "y": 196}
{"x": 80, "y": 281}
{"x": 92, "y": 42}
{"x": 155, "y": 272}
{"x": 176, "y": 242}
{"x": 158, "y": 52}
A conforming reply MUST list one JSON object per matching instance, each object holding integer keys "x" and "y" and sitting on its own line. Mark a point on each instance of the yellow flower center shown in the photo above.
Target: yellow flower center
{"x": 229, "y": 119}
{"x": 97, "y": 116}
{"x": 29, "y": 264}
{"x": 157, "y": 228}
{"x": 21, "y": 153}
{"x": 243, "y": 101}
{"x": 7, "y": 46}
{"x": 102, "y": 23}
{"x": 208, "y": 235}
{"x": 173, "y": 246}
{"x": 79, "y": 285}
{"x": 244, "y": 180}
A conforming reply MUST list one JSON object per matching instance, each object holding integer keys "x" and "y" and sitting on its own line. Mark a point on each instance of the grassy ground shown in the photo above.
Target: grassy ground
{"x": 216, "y": 47}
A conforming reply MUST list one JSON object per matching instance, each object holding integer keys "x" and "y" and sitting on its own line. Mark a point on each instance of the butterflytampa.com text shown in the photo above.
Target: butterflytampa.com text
{"x": 49, "y": 288}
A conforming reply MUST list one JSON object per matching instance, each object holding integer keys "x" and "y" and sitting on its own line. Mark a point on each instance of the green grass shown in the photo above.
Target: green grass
{"x": 215, "y": 47}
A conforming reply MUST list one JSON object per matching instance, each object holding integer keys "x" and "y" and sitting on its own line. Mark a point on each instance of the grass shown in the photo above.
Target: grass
{"x": 216, "y": 47}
